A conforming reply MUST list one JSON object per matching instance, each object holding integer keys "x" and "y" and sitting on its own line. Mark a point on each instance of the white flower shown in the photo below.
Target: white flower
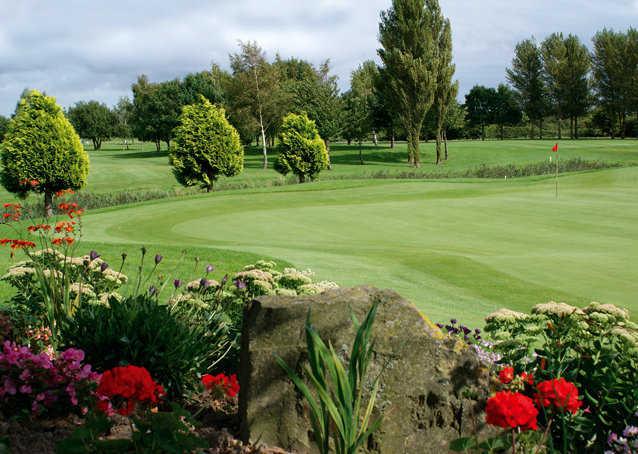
{"x": 81, "y": 289}
{"x": 554, "y": 308}
{"x": 317, "y": 287}
{"x": 609, "y": 309}
{"x": 505, "y": 315}
{"x": 17, "y": 272}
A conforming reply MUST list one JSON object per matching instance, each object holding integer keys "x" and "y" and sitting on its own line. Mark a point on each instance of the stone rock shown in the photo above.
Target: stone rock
{"x": 433, "y": 388}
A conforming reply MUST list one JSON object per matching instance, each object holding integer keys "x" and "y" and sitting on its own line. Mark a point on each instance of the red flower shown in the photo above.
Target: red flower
{"x": 511, "y": 410}
{"x": 506, "y": 375}
{"x": 17, "y": 244}
{"x": 129, "y": 384}
{"x": 559, "y": 394}
{"x": 228, "y": 385}
{"x": 527, "y": 378}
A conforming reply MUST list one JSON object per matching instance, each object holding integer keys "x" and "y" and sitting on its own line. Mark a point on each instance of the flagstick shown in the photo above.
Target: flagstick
{"x": 556, "y": 176}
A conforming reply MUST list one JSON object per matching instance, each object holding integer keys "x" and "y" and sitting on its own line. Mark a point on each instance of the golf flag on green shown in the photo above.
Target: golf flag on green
{"x": 555, "y": 148}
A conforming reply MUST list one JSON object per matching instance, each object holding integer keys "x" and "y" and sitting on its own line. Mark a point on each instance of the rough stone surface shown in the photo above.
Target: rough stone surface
{"x": 433, "y": 388}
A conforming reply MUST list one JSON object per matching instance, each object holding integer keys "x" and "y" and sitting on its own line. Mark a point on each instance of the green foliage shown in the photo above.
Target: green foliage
{"x": 615, "y": 71}
{"x": 207, "y": 146}
{"x": 566, "y": 64}
{"x": 165, "y": 432}
{"x": 337, "y": 404}
{"x": 41, "y": 145}
{"x": 174, "y": 346}
{"x": 93, "y": 120}
{"x": 408, "y": 33}
{"x": 301, "y": 150}
{"x": 596, "y": 348}
{"x": 4, "y": 125}
{"x": 123, "y": 114}
{"x": 527, "y": 76}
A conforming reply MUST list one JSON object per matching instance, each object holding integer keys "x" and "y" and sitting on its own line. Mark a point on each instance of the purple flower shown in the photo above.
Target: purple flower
{"x": 466, "y": 330}
{"x": 93, "y": 255}
{"x": 209, "y": 268}
{"x": 240, "y": 284}
{"x": 204, "y": 283}
{"x": 439, "y": 325}
{"x": 630, "y": 431}
{"x": 477, "y": 331}
{"x": 177, "y": 283}
{"x": 152, "y": 290}
{"x": 158, "y": 259}
{"x": 104, "y": 266}
{"x": 453, "y": 321}
{"x": 224, "y": 279}
{"x": 72, "y": 355}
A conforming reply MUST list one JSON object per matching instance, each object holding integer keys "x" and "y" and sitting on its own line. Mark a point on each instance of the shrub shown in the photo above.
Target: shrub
{"x": 207, "y": 146}
{"x": 141, "y": 331}
{"x": 595, "y": 348}
{"x": 39, "y": 384}
{"x": 41, "y": 151}
{"x": 301, "y": 150}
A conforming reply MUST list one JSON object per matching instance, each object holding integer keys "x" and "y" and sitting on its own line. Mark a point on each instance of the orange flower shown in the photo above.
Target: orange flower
{"x": 62, "y": 192}
{"x": 66, "y": 226}
{"x": 36, "y": 227}
{"x": 17, "y": 244}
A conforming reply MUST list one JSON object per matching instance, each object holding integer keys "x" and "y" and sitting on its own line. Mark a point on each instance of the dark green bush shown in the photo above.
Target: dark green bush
{"x": 174, "y": 345}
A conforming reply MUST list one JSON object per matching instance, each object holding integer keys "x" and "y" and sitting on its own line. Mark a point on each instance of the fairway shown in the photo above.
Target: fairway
{"x": 454, "y": 247}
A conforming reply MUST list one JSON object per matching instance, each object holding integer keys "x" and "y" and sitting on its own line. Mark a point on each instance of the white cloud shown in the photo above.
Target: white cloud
{"x": 76, "y": 50}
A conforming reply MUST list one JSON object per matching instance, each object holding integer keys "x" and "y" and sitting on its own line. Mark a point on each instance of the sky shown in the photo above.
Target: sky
{"x": 82, "y": 50}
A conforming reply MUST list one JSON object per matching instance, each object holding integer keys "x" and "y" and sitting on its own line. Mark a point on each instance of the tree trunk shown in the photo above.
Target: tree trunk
{"x": 327, "y": 144}
{"x": 502, "y": 131}
{"x": 482, "y": 131}
{"x": 168, "y": 144}
{"x": 439, "y": 139}
{"x": 445, "y": 143}
{"x": 96, "y": 143}
{"x": 540, "y": 129}
{"x": 392, "y": 139}
{"x": 560, "y": 133}
{"x": 48, "y": 204}
{"x": 576, "y": 127}
{"x": 349, "y": 142}
{"x": 360, "y": 153}
{"x": 375, "y": 140}
{"x": 413, "y": 147}
{"x": 302, "y": 178}
{"x": 158, "y": 145}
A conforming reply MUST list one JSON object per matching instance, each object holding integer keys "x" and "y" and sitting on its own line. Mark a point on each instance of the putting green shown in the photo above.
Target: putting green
{"x": 455, "y": 248}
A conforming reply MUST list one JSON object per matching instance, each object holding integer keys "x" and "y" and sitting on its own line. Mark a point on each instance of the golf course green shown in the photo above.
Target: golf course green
{"x": 455, "y": 247}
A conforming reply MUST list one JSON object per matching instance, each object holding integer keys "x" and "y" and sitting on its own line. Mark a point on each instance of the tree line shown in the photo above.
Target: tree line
{"x": 411, "y": 95}
{"x": 561, "y": 80}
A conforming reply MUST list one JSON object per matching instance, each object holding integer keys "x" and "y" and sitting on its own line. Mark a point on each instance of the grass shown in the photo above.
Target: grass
{"x": 455, "y": 247}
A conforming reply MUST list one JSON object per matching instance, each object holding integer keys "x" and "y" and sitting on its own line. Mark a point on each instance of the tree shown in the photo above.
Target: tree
{"x": 41, "y": 152}
{"x": 301, "y": 149}
{"x": 506, "y": 110}
{"x": 209, "y": 84}
{"x": 446, "y": 90}
{"x": 4, "y": 124}
{"x": 526, "y": 76}
{"x": 566, "y": 63}
{"x": 207, "y": 146}
{"x": 615, "y": 71}
{"x": 92, "y": 120}
{"x": 123, "y": 112}
{"x": 407, "y": 33}
{"x": 316, "y": 93}
{"x": 256, "y": 89}
{"x": 358, "y": 119}
{"x": 480, "y": 103}
{"x": 156, "y": 110}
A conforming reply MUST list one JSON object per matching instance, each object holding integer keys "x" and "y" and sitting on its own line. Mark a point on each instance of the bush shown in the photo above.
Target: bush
{"x": 207, "y": 146}
{"x": 596, "y": 348}
{"x": 301, "y": 150}
{"x": 41, "y": 151}
{"x": 141, "y": 331}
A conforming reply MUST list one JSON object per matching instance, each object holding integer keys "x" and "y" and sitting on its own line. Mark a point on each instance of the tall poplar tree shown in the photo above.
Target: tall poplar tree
{"x": 409, "y": 52}
{"x": 446, "y": 90}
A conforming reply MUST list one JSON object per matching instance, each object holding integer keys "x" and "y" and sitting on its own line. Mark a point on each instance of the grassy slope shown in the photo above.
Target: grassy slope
{"x": 455, "y": 248}
{"x": 459, "y": 248}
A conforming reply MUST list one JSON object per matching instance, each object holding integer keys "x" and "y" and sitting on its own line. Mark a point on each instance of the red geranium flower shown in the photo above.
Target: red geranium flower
{"x": 559, "y": 394}
{"x": 506, "y": 375}
{"x": 128, "y": 384}
{"x": 511, "y": 410}
{"x": 527, "y": 378}
{"x": 227, "y": 385}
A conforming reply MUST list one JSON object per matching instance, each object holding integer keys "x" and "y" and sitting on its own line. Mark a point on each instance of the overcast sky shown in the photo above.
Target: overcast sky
{"x": 80, "y": 50}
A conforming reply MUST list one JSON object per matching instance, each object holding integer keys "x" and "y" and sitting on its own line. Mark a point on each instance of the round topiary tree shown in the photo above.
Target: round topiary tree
{"x": 206, "y": 146}
{"x": 301, "y": 150}
{"x": 41, "y": 151}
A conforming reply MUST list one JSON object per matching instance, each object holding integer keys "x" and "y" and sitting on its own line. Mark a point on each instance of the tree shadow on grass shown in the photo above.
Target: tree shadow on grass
{"x": 140, "y": 154}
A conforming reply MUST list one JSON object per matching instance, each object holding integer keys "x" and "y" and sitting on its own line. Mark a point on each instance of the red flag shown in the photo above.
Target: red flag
{"x": 555, "y": 148}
